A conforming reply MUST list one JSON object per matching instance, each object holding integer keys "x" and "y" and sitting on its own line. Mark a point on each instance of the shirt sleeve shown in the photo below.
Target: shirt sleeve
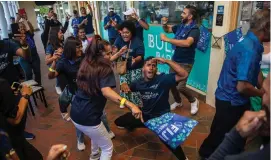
{"x": 8, "y": 106}
{"x": 246, "y": 66}
{"x": 105, "y": 21}
{"x": 60, "y": 66}
{"x": 133, "y": 86}
{"x": 232, "y": 144}
{"x": 174, "y": 28}
{"x": 194, "y": 33}
{"x": 108, "y": 81}
{"x": 140, "y": 51}
{"x": 13, "y": 47}
{"x": 5, "y": 143}
{"x": 72, "y": 22}
{"x": 80, "y": 20}
{"x": 117, "y": 43}
{"x": 49, "y": 50}
{"x": 168, "y": 80}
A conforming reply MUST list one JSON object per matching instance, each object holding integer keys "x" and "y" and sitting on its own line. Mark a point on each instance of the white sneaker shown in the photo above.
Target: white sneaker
{"x": 58, "y": 90}
{"x": 120, "y": 127}
{"x": 95, "y": 156}
{"x": 81, "y": 146}
{"x": 175, "y": 105}
{"x": 111, "y": 135}
{"x": 194, "y": 107}
{"x": 122, "y": 106}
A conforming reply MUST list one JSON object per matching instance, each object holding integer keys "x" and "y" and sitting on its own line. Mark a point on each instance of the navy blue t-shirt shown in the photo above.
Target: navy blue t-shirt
{"x": 89, "y": 27}
{"x": 69, "y": 69}
{"x": 154, "y": 94}
{"x": 112, "y": 32}
{"x": 87, "y": 110}
{"x": 139, "y": 30}
{"x": 49, "y": 49}
{"x": 186, "y": 54}
{"x": 136, "y": 49}
{"x": 8, "y": 71}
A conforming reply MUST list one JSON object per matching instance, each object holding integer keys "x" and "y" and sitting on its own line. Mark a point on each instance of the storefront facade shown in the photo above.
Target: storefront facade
{"x": 152, "y": 13}
{"x": 219, "y": 17}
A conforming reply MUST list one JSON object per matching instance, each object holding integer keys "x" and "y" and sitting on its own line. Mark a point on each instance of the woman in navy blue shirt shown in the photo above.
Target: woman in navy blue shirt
{"x": 129, "y": 42}
{"x": 68, "y": 66}
{"x": 54, "y": 51}
{"x": 95, "y": 80}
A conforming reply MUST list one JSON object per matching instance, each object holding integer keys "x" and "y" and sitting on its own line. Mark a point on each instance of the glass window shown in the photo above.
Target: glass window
{"x": 153, "y": 11}
{"x": 119, "y": 7}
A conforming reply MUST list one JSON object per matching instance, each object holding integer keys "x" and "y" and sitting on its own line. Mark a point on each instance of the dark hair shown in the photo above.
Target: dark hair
{"x": 148, "y": 59}
{"x": 80, "y": 28}
{"x": 12, "y": 18}
{"x": 94, "y": 67}
{"x": 51, "y": 9}
{"x": 192, "y": 11}
{"x": 75, "y": 12}
{"x": 70, "y": 47}
{"x": 130, "y": 25}
{"x": 53, "y": 37}
{"x": 82, "y": 8}
{"x": 54, "y": 14}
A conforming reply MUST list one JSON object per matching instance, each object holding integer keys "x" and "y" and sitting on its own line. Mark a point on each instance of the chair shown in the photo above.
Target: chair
{"x": 36, "y": 91}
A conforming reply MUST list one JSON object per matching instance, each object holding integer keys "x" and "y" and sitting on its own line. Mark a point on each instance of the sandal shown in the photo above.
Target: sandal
{"x": 66, "y": 116}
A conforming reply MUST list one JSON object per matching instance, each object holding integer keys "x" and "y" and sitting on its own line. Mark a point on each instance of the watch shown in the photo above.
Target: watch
{"x": 26, "y": 96}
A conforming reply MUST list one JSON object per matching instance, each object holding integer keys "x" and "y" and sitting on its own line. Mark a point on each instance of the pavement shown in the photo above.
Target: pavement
{"x": 141, "y": 144}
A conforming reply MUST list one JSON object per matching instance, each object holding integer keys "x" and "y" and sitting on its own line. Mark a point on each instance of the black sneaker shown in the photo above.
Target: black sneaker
{"x": 28, "y": 136}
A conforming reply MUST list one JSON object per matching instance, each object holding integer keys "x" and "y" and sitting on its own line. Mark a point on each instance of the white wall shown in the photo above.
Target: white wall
{"x": 29, "y": 7}
{"x": 217, "y": 55}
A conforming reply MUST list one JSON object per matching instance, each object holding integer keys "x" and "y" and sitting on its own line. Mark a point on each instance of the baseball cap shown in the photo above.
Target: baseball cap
{"x": 129, "y": 11}
{"x": 111, "y": 9}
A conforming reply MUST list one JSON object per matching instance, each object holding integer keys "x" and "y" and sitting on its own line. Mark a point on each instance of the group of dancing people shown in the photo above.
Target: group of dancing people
{"x": 84, "y": 65}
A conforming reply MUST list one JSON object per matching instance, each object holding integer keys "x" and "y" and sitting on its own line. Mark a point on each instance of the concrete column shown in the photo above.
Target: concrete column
{"x": 16, "y": 5}
{"x": 7, "y": 14}
{"x": 11, "y": 10}
{"x": 217, "y": 55}
{"x": 14, "y": 8}
{"x": 3, "y": 23}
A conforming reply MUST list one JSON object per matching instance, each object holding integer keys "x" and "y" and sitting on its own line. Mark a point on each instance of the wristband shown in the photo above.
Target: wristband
{"x": 138, "y": 19}
{"x": 52, "y": 70}
{"x": 123, "y": 100}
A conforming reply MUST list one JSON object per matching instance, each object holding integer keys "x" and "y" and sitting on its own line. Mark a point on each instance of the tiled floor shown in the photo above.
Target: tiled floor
{"x": 140, "y": 144}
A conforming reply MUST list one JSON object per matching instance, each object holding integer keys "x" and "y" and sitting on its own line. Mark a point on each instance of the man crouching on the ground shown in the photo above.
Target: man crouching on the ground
{"x": 154, "y": 90}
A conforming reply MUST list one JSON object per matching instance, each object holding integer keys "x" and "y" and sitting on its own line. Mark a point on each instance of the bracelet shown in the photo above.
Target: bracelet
{"x": 123, "y": 100}
{"x": 25, "y": 48}
{"x": 138, "y": 19}
{"x": 52, "y": 70}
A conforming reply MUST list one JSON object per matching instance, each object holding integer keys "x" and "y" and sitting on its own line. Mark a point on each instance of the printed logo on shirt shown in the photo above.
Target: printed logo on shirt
{"x": 3, "y": 61}
{"x": 154, "y": 86}
{"x": 149, "y": 95}
{"x": 241, "y": 39}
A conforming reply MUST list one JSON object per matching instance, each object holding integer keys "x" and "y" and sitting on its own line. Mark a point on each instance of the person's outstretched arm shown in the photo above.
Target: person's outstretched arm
{"x": 180, "y": 72}
{"x": 109, "y": 93}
